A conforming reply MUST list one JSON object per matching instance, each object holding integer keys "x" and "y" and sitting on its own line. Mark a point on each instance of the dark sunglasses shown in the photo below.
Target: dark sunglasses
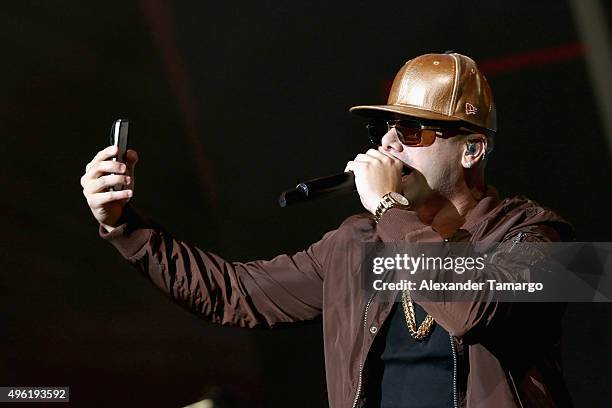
{"x": 411, "y": 132}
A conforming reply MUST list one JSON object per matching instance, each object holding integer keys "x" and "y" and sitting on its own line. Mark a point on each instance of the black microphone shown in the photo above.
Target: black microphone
{"x": 319, "y": 187}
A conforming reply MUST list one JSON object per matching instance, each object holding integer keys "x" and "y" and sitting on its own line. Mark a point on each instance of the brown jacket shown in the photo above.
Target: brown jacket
{"x": 505, "y": 354}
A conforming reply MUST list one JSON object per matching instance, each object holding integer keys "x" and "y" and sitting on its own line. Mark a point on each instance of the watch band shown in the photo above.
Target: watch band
{"x": 388, "y": 202}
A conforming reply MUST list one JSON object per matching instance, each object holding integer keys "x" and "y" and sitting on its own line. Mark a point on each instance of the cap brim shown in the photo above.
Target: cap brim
{"x": 376, "y": 111}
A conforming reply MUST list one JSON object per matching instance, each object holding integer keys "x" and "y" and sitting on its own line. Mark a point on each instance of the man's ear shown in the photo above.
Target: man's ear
{"x": 474, "y": 151}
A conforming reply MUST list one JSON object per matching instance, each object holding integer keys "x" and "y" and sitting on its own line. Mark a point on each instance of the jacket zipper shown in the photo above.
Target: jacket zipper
{"x": 517, "y": 239}
{"x": 365, "y": 323}
{"x": 520, "y": 236}
{"x": 452, "y": 342}
{"x": 518, "y": 397}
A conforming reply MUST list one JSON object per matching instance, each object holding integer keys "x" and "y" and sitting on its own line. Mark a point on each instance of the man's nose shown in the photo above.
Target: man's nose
{"x": 390, "y": 141}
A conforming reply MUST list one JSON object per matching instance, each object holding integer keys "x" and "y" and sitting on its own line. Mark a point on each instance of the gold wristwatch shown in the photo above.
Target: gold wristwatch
{"x": 390, "y": 200}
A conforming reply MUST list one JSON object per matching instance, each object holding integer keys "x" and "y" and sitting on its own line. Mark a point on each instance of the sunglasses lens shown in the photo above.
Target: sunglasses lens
{"x": 408, "y": 132}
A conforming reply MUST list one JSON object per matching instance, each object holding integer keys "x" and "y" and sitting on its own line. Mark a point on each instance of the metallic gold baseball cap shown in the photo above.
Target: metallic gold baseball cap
{"x": 445, "y": 87}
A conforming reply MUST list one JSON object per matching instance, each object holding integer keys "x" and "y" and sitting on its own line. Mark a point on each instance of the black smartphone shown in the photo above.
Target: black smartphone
{"x": 119, "y": 138}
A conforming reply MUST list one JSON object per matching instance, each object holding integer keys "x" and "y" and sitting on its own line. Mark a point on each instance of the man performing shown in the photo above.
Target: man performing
{"x": 425, "y": 182}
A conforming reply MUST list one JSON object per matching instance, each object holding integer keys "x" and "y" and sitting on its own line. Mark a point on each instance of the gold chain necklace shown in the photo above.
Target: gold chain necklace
{"x": 425, "y": 328}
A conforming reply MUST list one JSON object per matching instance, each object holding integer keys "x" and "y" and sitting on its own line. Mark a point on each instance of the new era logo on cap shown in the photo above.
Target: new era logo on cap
{"x": 470, "y": 109}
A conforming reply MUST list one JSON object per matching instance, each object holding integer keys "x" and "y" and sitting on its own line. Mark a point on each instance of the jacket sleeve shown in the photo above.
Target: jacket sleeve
{"x": 484, "y": 316}
{"x": 288, "y": 288}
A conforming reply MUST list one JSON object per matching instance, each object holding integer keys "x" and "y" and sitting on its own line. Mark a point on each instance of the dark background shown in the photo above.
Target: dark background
{"x": 229, "y": 104}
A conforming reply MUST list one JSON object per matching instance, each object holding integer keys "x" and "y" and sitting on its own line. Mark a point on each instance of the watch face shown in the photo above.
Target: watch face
{"x": 399, "y": 198}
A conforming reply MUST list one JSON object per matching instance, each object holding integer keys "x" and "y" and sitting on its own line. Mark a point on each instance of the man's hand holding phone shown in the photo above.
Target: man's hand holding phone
{"x": 101, "y": 175}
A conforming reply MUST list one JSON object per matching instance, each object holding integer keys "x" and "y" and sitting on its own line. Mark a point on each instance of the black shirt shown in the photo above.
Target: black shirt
{"x": 403, "y": 372}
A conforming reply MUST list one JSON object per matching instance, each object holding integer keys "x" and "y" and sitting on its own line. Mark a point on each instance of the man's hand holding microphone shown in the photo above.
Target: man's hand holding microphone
{"x": 376, "y": 174}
